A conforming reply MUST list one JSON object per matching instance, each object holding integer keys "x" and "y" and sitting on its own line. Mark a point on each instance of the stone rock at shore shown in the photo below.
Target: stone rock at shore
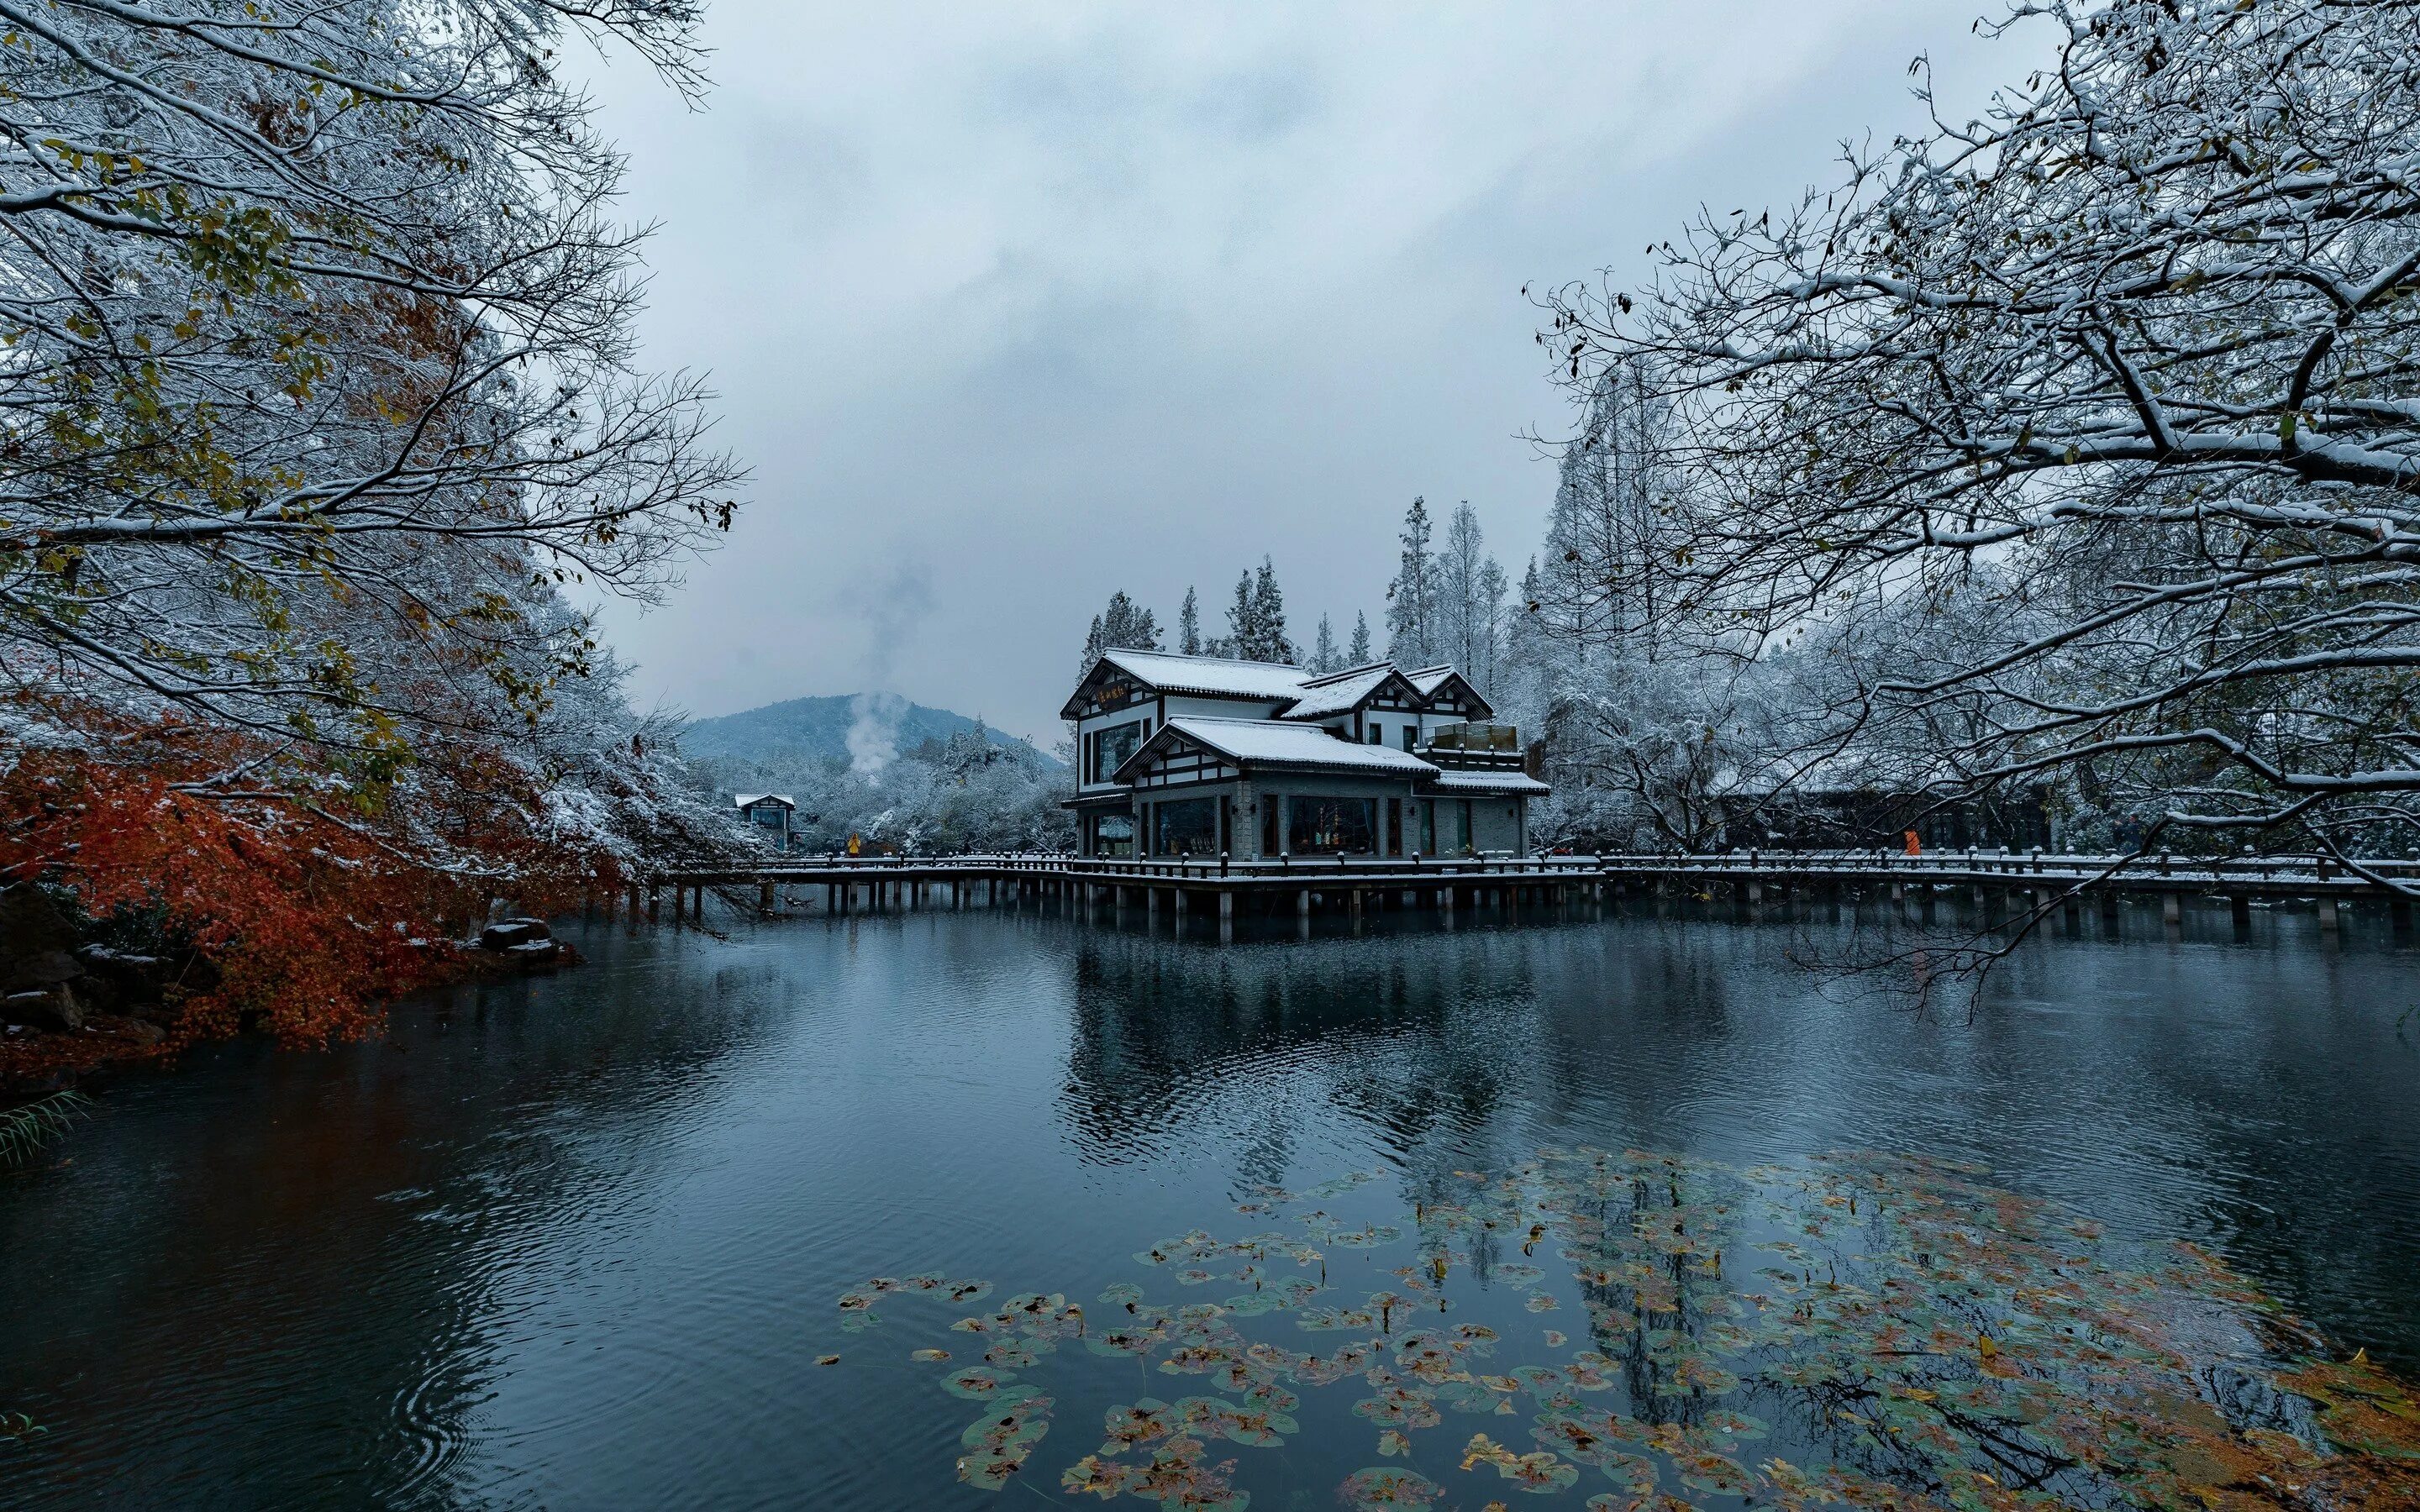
{"x": 511, "y": 933}
{"x": 36, "y": 942}
{"x": 53, "y": 1008}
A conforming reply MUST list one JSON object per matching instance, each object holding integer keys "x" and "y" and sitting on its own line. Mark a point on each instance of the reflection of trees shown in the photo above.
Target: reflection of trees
{"x": 325, "y": 1240}
{"x": 1385, "y": 1036}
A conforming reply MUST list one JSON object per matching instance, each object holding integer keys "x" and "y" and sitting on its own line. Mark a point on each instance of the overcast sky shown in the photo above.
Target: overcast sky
{"x": 1013, "y": 305}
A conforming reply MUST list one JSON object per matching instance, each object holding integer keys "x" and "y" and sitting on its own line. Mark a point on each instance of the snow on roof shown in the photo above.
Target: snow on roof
{"x": 1339, "y": 692}
{"x": 1427, "y": 678}
{"x": 1269, "y": 743}
{"x": 1498, "y": 782}
{"x": 750, "y": 800}
{"x": 1215, "y": 677}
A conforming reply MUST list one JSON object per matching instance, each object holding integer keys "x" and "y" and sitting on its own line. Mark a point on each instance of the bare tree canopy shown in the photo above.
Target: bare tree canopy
{"x": 317, "y": 379}
{"x": 2084, "y": 439}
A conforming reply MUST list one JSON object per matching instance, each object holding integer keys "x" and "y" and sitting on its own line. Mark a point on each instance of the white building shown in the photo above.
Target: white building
{"x": 1203, "y": 756}
{"x": 771, "y": 812}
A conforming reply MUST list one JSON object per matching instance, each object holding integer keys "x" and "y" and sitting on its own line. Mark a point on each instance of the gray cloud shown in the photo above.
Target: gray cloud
{"x": 1054, "y": 299}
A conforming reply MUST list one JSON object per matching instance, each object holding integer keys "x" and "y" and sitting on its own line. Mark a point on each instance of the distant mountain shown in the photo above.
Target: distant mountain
{"x": 819, "y": 729}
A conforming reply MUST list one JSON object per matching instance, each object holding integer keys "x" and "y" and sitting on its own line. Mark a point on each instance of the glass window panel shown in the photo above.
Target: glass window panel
{"x": 1111, "y": 747}
{"x": 1188, "y": 826}
{"x": 1322, "y": 825}
{"x": 1116, "y": 833}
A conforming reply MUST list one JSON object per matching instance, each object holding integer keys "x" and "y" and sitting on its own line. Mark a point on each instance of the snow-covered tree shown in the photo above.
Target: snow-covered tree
{"x": 1123, "y": 626}
{"x": 320, "y": 402}
{"x": 1323, "y": 656}
{"x": 2122, "y": 372}
{"x": 1189, "y": 625}
{"x": 1269, "y": 617}
{"x": 319, "y": 357}
{"x": 1358, "y": 651}
{"x": 1469, "y": 599}
{"x": 1411, "y": 597}
{"x": 1256, "y": 622}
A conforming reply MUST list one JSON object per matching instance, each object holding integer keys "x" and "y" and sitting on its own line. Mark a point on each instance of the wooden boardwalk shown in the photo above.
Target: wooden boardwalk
{"x": 2000, "y": 886}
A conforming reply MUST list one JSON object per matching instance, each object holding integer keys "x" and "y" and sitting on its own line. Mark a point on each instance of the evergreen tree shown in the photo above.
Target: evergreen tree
{"x": 1189, "y": 625}
{"x": 1411, "y": 598}
{"x": 1358, "y": 654}
{"x": 1243, "y": 624}
{"x": 1469, "y": 590}
{"x": 1323, "y": 650}
{"x": 1268, "y": 615}
{"x": 1122, "y": 626}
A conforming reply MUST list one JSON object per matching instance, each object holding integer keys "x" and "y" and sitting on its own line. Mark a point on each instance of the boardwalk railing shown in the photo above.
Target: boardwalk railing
{"x": 1998, "y": 879}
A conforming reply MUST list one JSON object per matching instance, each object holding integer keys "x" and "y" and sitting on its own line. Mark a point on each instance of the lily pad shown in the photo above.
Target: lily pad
{"x": 1385, "y": 1487}
{"x": 978, "y": 1382}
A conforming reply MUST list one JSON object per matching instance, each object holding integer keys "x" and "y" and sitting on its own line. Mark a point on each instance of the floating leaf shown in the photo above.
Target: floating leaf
{"x": 1393, "y": 1445}
{"x": 999, "y": 1445}
{"x": 978, "y": 1382}
{"x": 928, "y": 1356}
{"x": 1384, "y": 1488}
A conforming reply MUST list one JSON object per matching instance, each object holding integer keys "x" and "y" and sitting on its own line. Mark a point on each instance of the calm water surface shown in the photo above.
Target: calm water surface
{"x": 577, "y": 1242}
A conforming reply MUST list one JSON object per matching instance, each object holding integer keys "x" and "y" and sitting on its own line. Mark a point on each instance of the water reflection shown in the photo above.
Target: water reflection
{"x": 575, "y": 1243}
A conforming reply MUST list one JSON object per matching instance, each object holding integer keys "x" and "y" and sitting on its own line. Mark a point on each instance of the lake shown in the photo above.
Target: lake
{"x": 581, "y": 1242}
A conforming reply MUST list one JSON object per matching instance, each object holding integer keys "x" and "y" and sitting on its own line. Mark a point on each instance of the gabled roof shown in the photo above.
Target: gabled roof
{"x": 750, "y": 800}
{"x": 1433, "y": 681}
{"x": 1274, "y": 743}
{"x": 1200, "y": 677}
{"x": 1323, "y": 697}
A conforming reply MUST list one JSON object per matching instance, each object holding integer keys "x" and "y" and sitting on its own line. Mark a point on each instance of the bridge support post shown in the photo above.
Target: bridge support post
{"x": 2172, "y": 909}
{"x": 1302, "y": 904}
{"x": 1353, "y": 901}
{"x": 1150, "y": 907}
{"x": 2327, "y": 914}
{"x": 765, "y": 897}
{"x": 2240, "y": 907}
{"x": 1445, "y": 904}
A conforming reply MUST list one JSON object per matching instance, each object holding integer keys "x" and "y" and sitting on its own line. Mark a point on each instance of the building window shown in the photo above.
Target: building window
{"x": 1188, "y": 826}
{"x": 1462, "y": 827}
{"x": 1111, "y": 747}
{"x": 1114, "y": 834}
{"x": 1268, "y": 823}
{"x": 1319, "y": 826}
{"x": 1395, "y": 827}
{"x": 1411, "y": 732}
{"x": 1376, "y": 734}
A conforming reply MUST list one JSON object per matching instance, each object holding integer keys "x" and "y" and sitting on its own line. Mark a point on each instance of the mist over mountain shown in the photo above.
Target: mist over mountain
{"x": 852, "y": 729}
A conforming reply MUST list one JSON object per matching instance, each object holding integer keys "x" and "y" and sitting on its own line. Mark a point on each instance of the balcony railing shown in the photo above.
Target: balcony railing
{"x": 1476, "y": 737}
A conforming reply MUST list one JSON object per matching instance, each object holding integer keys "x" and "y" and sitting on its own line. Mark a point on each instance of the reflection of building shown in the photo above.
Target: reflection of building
{"x": 770, "y": 811}
{"x": 1200, "y": 756}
